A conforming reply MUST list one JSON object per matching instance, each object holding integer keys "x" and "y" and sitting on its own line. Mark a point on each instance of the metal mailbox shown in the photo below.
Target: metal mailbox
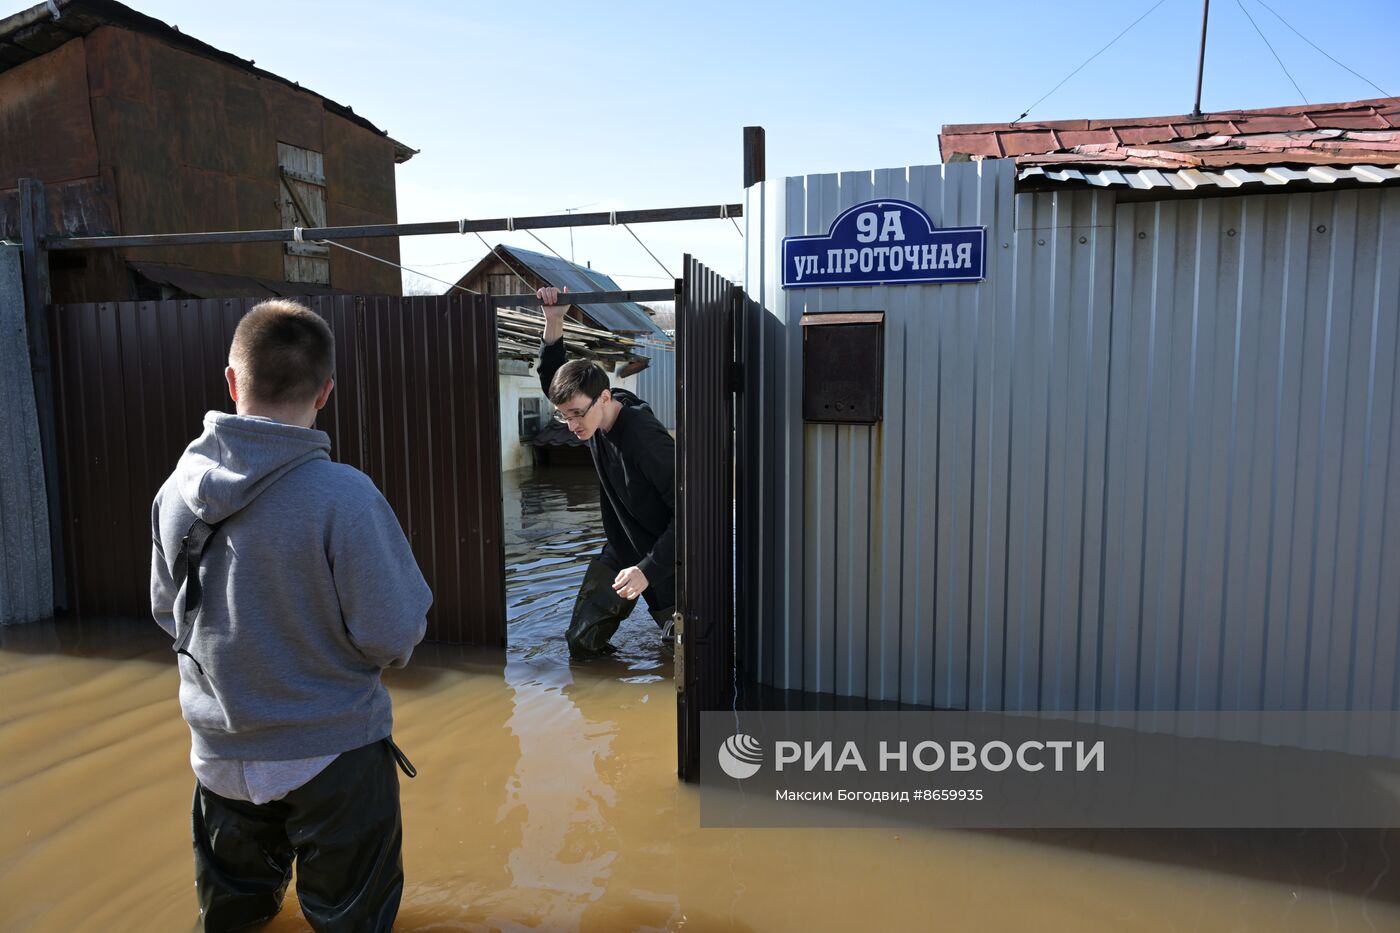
{"x": 843, "y": 367}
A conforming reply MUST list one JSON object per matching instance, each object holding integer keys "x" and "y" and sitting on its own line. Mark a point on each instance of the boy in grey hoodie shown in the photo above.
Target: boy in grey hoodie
{"x": 288, "y": 587}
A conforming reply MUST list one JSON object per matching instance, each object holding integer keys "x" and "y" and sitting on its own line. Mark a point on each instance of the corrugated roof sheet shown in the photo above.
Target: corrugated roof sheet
{"x": 1365, "y": 132}
{"x": 1186, "y": 179}
{"x": 623, "y": 318}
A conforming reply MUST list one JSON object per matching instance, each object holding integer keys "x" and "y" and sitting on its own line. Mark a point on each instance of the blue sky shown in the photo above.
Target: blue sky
{"x": 536, "y": 107}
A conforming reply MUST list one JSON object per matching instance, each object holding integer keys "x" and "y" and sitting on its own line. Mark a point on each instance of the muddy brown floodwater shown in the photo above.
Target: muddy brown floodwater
{"x": 547, "y": 800}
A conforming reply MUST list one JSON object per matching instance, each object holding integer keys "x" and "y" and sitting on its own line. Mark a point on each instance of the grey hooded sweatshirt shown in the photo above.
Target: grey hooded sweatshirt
{"x": 308, "y": 590}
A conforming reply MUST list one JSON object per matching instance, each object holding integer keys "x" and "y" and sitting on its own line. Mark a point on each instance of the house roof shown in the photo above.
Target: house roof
{"x": 40, "y": 29}
{"x": 626, "y": 317}
{"x": 1365, "y": 132}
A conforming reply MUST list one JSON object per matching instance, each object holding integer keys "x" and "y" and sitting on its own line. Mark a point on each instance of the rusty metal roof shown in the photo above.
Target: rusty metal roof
{"x": 1365, "y": 132}
{"x": 40, "y": 29}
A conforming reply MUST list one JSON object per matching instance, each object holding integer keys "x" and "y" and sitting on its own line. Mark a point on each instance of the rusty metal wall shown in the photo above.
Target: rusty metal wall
{"x": 61, "y": 146}
{"x": 1146, "y": 464}
{"x": 222, "y": 174}
{"x": 704, "y": 497}
{"x": 141, "y": 137}
{"x": 414, "y": 407}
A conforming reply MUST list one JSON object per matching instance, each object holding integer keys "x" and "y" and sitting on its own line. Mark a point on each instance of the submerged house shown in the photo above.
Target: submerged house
{"x": 135, "y": 127}
{"x": 623, "y": 338}
{"x": 1138, "y": 454}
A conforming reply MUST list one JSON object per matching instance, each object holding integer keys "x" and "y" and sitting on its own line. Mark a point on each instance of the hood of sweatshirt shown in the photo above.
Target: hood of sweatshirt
{"x": 239, "y": 456}
{"x": 627, "y": 399}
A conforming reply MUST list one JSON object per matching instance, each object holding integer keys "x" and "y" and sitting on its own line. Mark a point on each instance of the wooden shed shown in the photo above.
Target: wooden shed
{"x": 135, "y": 127}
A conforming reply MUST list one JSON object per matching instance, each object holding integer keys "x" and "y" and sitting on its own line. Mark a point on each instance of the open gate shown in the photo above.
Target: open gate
{"x": 706, "y": 382}
{"x": 707, "y": 308}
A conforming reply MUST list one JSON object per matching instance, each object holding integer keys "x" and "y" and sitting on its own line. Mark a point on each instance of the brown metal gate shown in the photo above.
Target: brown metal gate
{"x": 415, "y": 407}
{"x": 705, "y": 503}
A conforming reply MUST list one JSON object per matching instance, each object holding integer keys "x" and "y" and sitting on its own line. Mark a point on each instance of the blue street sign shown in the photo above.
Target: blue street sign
{"x": 887, "y": 242}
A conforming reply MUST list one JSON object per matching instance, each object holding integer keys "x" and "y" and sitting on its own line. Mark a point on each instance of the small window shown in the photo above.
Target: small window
{"x": 303, "y": 193}
{"x": 531, "y": 417}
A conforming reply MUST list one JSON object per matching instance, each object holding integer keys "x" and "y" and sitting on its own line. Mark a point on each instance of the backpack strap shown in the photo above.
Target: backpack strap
{"x": 404, "y": 764}
{"x": 186, "y": 577}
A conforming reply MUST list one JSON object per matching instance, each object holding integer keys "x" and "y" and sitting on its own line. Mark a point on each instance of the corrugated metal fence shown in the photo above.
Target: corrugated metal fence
{"x": 1148, "y": 463}
{"x": 705, "y": 488}
{"x": 1253, "y": 498}
{"x": 414, "y": 407}
{"x": 657, "y": 383}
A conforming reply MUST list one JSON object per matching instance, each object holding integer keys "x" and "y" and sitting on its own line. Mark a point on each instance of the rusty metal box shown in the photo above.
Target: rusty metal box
{"x": 843, "y": 367}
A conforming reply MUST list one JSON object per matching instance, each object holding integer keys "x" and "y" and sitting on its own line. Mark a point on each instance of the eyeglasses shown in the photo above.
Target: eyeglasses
{"x": 563, "y": 418}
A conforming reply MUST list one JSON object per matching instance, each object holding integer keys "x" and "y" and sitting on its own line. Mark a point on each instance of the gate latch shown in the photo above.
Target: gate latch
{"x": 678, "y": 623}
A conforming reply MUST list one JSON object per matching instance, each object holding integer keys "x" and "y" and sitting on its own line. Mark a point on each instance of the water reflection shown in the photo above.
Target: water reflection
{"x": 552, "y": 529}
{"x": 561, "y": 794}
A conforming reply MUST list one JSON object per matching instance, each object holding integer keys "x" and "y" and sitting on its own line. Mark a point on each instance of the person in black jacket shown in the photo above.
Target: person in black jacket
{"x": 636, "y": 461}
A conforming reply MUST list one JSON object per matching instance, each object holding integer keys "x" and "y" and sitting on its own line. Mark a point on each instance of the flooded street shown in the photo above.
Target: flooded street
{"x": 547, "y": 800}
{"x": 552, "y": 530}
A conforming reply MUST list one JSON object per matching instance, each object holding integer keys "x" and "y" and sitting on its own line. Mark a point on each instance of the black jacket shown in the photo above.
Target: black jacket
{"x": 636, "y": 463}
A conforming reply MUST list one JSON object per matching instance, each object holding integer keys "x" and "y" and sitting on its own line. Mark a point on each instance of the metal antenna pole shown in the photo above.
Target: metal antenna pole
{"x": 1201, "y": 63}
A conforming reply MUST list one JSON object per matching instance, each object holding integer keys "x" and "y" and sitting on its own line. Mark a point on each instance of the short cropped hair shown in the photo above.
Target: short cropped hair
{"x": 577, "y": 376}
{"x": 282, "y": 352}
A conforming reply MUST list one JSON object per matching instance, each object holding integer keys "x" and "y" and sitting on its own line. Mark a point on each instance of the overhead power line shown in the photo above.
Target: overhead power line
{"x": 1384, "y": 92}
{"x": 1088, "y": 60}
{"x": 1270, "y": 47}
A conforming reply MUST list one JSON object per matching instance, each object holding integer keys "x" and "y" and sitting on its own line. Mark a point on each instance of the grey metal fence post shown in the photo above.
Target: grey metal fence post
{"x": 26, "y": 586}
{"x": 34, "y": 225}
